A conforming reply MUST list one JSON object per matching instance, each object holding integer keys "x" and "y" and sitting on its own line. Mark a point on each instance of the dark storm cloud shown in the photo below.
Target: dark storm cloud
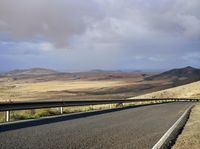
{"x": 110, "y": 34}
{"x": 54, "y": 20}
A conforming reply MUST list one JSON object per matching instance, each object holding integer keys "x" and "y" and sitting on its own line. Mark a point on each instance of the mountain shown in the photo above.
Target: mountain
{"x": 32, "y": 71}
{"x": 188, "y": 74}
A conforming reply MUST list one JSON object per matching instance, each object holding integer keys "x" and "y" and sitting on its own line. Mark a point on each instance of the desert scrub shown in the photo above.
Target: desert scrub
{"x": 32, "y": 114}
{"x": 2, "y": 117}
{"x": 190, "y": 137}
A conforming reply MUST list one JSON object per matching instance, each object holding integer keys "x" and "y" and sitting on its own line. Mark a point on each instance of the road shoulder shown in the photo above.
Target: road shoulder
{"x": 190, "y": 136}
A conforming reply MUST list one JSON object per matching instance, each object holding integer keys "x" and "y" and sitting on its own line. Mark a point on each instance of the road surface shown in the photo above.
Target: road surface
{"x": 132, "y": 128}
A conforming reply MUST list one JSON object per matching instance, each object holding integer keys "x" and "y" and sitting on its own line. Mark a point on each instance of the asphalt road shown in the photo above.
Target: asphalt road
{"x": 134, "y": 128}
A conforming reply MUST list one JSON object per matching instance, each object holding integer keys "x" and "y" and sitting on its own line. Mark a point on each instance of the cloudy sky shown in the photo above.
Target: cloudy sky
{"x": 78, "y": 35}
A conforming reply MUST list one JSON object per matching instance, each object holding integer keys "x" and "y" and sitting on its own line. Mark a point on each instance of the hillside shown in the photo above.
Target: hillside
{"x": 179, "y": 76}
{"x": 191, "y": 90}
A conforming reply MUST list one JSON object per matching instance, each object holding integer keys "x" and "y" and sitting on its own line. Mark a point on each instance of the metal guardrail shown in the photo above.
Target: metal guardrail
{"x": 10, "y": 106}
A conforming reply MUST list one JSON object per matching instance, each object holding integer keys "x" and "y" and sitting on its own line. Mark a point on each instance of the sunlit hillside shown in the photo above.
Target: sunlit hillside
{"x": 191, "y": 90}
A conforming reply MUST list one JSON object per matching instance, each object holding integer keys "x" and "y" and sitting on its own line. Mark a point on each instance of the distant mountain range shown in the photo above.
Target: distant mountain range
{"x": 32, "y": 71}
{"x": 177, "y": 76}
{"x": 43, "y": 74}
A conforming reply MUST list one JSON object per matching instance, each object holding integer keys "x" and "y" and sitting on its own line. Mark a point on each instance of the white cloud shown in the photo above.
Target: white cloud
{"x": 192, "y": 57}
{"x": 46, "y": 46}
{"x": 26, "y": 47}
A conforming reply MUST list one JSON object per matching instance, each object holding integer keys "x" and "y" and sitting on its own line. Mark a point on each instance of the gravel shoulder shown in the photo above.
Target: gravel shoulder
{"x": 190, "y": 137}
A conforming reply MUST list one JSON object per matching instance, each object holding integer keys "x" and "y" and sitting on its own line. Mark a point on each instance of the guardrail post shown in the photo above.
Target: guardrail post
{"x": 61, "y": 110}
{"x": 110, "y": 106}
{"x": 7, "y": 116}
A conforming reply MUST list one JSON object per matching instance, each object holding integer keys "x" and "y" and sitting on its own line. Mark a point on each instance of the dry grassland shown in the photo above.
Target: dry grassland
{"x": 28, "y": 91}
{"x": 191, "y": 90}
{"x": 75, "y": 89}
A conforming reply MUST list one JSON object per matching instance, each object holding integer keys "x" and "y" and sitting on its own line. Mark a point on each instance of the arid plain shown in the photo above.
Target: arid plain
{"x": 45, "y": 84}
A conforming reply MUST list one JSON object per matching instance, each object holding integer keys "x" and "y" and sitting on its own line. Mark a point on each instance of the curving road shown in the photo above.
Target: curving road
{"x": 132, "y": 128}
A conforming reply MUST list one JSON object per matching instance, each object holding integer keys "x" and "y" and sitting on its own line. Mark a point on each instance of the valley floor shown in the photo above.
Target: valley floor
{"x": 21, "y": 90}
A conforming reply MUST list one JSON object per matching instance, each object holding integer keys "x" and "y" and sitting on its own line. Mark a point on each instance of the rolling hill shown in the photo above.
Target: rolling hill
{"x": 42, "y": 74}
